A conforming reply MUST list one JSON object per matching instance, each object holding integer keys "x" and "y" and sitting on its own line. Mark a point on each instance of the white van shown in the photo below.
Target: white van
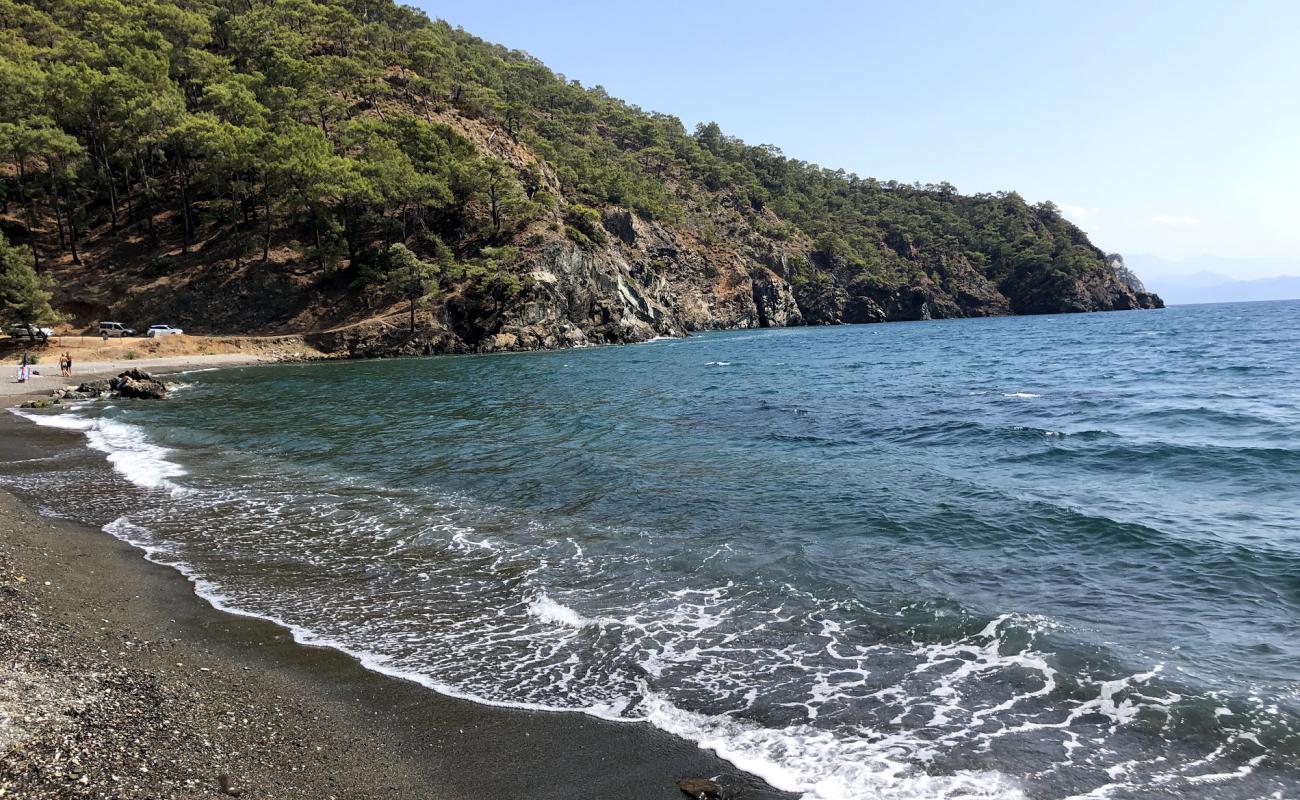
{"x": 115, "y": 329}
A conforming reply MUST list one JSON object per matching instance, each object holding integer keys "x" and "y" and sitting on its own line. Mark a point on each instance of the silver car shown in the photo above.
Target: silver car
{"x": 21, "y": 331}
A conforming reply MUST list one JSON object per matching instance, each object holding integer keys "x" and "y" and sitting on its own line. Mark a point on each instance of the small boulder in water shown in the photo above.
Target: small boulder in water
{"x": 701, "y": 789}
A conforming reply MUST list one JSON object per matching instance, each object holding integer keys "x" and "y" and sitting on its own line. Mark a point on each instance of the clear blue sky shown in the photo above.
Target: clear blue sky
{"x": 1166, "y": 128}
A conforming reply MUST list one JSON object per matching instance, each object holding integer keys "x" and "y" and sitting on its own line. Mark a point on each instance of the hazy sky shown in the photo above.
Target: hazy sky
{"x": 1168, "y": 128}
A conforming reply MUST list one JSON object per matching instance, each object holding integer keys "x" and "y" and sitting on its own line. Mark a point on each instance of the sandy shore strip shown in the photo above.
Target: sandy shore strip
{"x": 117, "y": 681}
{"x": 49, "y": 379}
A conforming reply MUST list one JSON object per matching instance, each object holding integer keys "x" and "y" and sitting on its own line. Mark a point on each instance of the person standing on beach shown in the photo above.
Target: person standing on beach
{"x": 68, "y": 359}
{"x": 22, "y": 369}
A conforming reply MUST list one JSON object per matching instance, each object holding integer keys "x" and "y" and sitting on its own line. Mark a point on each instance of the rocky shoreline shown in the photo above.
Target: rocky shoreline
{"x": 118, "y": 682}
{"x": 649, "y": 281}
{"x": 132, "y": 384}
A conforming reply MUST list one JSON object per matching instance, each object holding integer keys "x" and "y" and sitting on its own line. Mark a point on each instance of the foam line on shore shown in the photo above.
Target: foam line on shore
{"x": 797, "y": 759}
{"x": 139, "y": 461}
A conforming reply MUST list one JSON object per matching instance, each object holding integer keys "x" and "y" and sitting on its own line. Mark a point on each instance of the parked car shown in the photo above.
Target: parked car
{"x": 115, "y": 329}
{"x": 162, "y": 330}
{"x": 21, "y": 331}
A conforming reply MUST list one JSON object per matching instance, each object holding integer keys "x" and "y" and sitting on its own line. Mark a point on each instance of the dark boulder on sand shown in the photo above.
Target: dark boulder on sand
{"x": 87, "y": 390}
{"x": 139, "y": 385}
{"x": 95, "y": 388}
{"x": 141, "y": 390}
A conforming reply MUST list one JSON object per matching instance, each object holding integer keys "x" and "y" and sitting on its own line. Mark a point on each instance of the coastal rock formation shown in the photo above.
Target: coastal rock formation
{"x": 1133, "y": 283}
{"x": 774, "y": 302}
{"x": 583, "y": 297}
{"x": 138, "y": 384}
{"x": 86, "y": 390}
{"x": 133, "y": 383}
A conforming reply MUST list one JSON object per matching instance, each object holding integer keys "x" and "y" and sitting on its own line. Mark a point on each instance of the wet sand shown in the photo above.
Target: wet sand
{"x": 116, "y": 680}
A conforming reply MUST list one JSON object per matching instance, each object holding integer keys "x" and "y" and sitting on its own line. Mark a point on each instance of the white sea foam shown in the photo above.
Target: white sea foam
{"x": 819, "y": 764}
{"x": 1021, "y": 395}
{"x": 718, "y": 364}
{"x": 547, "y": 610}
{"x": 141, "y": 538}
{"x": 139, "y": 461}
{"x": 132, "y": 455}
{"x": 67, "y": 422}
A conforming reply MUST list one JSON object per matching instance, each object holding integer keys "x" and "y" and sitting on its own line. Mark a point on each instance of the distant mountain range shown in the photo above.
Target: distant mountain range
{"x": 1283, "y": 287}
{"x": 1210, "y": 279}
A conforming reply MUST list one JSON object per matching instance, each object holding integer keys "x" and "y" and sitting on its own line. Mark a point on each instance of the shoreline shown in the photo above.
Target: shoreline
{"x": 166, "y": 693}
{"x": 46, "y": 383}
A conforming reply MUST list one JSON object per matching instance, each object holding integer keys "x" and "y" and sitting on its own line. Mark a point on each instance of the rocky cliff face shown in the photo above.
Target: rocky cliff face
{"x": 645, "y": 280}
{"x": 650, "y": 280}
{"x": 1133, "y": 283}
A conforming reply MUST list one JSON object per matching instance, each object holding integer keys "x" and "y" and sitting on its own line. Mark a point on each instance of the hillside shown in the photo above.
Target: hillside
{"x": 273, "y": 167}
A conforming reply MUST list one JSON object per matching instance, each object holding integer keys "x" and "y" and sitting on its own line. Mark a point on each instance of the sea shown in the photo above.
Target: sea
{"x": 1024, "y": 557}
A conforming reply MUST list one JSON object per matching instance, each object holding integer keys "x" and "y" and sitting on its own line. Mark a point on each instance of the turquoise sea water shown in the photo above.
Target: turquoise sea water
{"x": 1038, "y": 557}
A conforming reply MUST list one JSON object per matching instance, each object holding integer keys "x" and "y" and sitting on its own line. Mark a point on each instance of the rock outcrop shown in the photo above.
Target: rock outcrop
{"x": 774, "y": 301}
{"x": 648, "y": 280}
{"x": 139, "y": 385}
{"x": 133, "y": 384}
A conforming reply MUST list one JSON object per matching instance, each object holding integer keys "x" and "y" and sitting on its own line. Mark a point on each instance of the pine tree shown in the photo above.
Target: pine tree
{"x": 24, "y": 295}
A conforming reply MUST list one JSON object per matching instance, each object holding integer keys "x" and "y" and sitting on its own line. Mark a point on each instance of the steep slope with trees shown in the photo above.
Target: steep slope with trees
{"x": 328, "y": 164}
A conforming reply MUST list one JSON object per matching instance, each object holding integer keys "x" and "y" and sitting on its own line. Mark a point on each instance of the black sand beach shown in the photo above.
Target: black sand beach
{"x": 117, "y": 681}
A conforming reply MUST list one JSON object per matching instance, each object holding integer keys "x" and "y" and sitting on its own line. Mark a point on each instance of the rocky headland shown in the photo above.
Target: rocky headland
{"x": 384, "y": 184}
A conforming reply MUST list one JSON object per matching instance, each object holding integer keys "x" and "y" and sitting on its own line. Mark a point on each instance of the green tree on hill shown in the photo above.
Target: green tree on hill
{"x": 24, "y": 295}
{"x": 411, "y": 278}
{"x": 501, "y": 191}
